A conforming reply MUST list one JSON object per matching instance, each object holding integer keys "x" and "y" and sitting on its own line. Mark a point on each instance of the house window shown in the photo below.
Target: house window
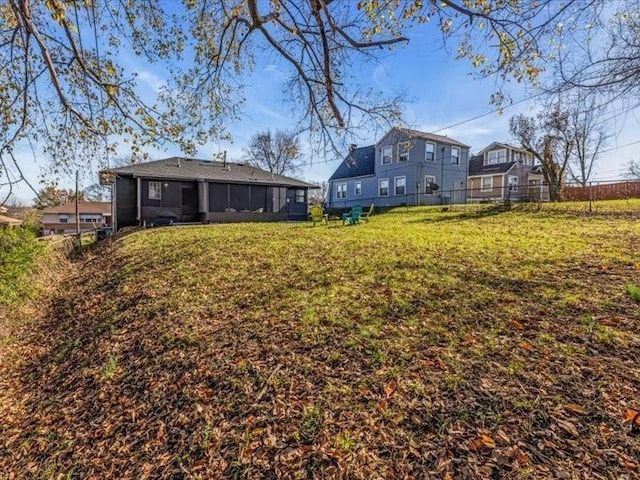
{"x": 429, "y": 182}
{"x": 387, "y": 155}
{"x": 430, "y": 152}
{"x": 497, "y": 156}
{"x": 155, "y": 190}
{"x": 487, "y": 184}
{"x": 455, "y": 156}
{"x": 358, "y": 188}
{"x": 63, "y": 218}
{"x": 383, "y": 187}
{"x": 400, "y": 184}
{"x": 404, "y": 148}
{"x": 341, "y": 191}
{"x": 90, "y": 218}
{"x": 300, "y": 196}
{"x": 513, "y": 183}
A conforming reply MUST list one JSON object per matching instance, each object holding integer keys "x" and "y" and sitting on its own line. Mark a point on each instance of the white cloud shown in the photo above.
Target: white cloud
{"x": 151, "y": 80}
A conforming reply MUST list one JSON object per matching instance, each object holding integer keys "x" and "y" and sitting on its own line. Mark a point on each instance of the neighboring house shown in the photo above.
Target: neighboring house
{"x": 8, "y": 222}
{"x": 402, "y": 169}
{"x": 503, "y": 172}
{"x": 62, "y": 219}
{"x": 188, "y": 190}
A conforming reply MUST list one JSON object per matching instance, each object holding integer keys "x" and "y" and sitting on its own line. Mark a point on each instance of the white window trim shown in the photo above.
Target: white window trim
{"x": 482, "y": 187}
{"x": 425, "y": 151}
{"x": 380, "y": 185}
{"x": 341, "y": 193}
{"x": 157, "y": 190}
{"x": 402, "y": 150}
{"x": 487, "y": 162}
{"x": 458, "y": 157}
{"x": 433, "y": 177}
{"x": 516, "y": 187}
{"x": 355, "y": 188}
{"x": 382, "y": 150}
{"x": 395, "y": 185}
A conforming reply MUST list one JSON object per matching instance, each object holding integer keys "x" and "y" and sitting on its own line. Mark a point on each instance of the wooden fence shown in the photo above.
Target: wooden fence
{"x": 602, "y": 191}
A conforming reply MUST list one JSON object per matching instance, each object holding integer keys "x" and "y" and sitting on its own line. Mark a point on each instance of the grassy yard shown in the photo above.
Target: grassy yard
{"x": 424, "y": 344}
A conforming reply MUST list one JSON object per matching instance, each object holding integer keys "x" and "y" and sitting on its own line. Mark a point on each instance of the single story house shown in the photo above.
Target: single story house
{"x": 501, "y": 172}
{"x": 405, "y": 167}
{"x": 190, "y": 190}
{"x": 62, "y": 219}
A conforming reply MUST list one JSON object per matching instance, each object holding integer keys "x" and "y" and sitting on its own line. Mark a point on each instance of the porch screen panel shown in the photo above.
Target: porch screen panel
{"x": 239, "y": 197}
{"x": 218, "y": 197}
{"x": 259, "y": 197}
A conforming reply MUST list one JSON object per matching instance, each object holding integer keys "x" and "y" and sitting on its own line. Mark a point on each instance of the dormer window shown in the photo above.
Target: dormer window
{"x": 495, "y": 157}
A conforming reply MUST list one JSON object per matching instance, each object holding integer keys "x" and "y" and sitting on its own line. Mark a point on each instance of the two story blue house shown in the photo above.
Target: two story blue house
{"x": 406, "y": 167}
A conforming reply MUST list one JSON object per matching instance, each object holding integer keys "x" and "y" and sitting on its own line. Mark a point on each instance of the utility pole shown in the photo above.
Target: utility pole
{"x": 77, "y": 211}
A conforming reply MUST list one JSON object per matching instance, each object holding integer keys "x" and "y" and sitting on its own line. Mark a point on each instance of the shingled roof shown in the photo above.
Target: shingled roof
{"x": 358, "y": 163}
{"x": 431, "y": 137}
{"x": 83, "y": 207}
{"x": 178, "y": 168}
{"x": 477, "y": 167}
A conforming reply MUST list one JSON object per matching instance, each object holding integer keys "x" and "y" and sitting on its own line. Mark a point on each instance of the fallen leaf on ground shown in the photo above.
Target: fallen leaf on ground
{"x": 575, "y": 408}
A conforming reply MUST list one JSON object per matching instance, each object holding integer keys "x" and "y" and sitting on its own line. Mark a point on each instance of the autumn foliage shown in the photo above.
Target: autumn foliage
{"x": 423, "y": 343}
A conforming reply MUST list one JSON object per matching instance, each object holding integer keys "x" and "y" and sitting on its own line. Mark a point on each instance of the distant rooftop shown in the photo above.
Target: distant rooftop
{"x": 83, "y": 207}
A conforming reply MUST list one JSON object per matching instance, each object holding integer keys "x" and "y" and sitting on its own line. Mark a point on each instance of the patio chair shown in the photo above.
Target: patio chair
{"x": 318, "y": 215}
{"x": 352, "y": 216}
{"x": 369, "y": 213}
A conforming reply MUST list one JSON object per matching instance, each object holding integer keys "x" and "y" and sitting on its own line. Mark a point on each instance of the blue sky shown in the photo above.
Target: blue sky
{"x": 443, "y": 90}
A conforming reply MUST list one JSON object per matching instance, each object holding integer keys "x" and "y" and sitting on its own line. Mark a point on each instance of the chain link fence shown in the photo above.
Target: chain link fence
{"x": 593, "y": 196}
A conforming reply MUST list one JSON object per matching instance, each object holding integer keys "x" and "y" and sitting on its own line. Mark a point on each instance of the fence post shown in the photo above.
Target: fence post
{"x": 590, "y": 197}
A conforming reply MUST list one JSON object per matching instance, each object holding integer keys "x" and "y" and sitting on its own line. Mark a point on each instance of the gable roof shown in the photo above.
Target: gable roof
{"x": 431, "y": 137}
{"x": 179, "y": 168}
{"x": 477, "y": 167}
{"x": 103, "y": 208}
{"x": 358, "y": 163}
{"x": 492, "y": 145}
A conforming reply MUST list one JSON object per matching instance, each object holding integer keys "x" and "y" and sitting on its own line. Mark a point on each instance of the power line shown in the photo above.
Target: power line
{"x": 620, "y": 146}
{"x": 477, "y": 117}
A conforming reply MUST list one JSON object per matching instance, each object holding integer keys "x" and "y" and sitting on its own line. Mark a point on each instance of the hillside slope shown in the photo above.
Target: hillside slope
{"x": 422, "y": 343}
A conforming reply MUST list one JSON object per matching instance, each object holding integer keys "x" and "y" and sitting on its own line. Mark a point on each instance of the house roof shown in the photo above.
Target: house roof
{"x": 492, "y": 145}
{"x": 360, "y": 162}
{"x": 4, "y": 220}
{"x": 179, "y": 168}
{"x": 425, "y": 136}
{"x": 103, "y": 208}
{"x": 477, "y": 167}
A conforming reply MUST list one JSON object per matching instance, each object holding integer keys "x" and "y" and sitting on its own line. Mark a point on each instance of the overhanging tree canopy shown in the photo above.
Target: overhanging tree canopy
{"x": 66, "y": 80}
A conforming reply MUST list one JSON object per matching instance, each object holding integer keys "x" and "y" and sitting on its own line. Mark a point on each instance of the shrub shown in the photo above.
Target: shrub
{"x": 633, "y": 291}
{"x": 18, "y": 252}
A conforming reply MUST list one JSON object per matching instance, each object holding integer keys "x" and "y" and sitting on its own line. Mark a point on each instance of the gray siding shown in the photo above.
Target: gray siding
{"x": 451, "y": 178}
{"x": 126, "y": 208}
{"x": 184, "y": 201}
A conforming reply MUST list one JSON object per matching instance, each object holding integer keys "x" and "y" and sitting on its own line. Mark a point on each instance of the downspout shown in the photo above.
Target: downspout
{"x": 139, "y": 196}
{"x": 114, "y": 207}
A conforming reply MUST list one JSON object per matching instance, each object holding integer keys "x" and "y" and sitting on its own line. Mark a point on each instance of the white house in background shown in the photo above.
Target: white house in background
{"x": 504, "y": 172}
{"x": 62, "y": 219}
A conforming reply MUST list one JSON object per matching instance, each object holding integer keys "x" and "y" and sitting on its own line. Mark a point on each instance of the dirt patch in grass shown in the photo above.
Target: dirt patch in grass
{"x": 499, "y": 346}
